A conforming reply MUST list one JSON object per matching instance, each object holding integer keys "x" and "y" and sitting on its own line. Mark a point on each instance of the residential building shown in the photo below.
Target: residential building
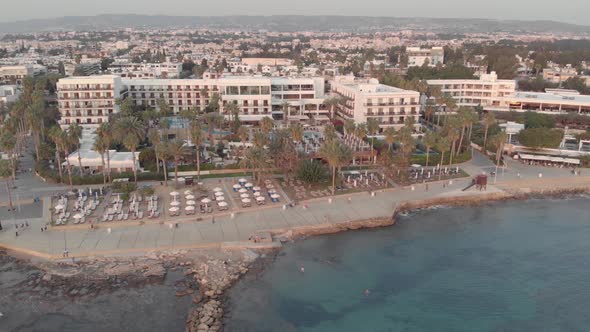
{"x": 368, "y": 99}
{"x": 557, "y": 74}
{"x": 82, "y": 69}
{"x": 9, "y": 93}
{"x": 15, "y": 74}
{"x": 488, "y": 90}
{"x": 146, "y": 70}
{"x": 417, "y": 56}
{"x": 88, "y": 100}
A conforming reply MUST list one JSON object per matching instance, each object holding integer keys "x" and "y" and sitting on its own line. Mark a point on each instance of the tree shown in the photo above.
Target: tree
{"x": 130, "y": 131}
{"x": 390, "y": 135}
{"x": 285, "y": 107}
{"x": 538, "y": 138}
{"x": 329, "y": 132}
{"x": 100, "y": 147}
{"x": 8, "y": 144}
{"x": 155, "y": 139}
{"x": 6, "y": 173}
{"x": 266, "y": 125}
{"x": 74, "y": 136}
{"x": 467, "y": 118}
{"x": 498, "y": 141}
{"x": 488, "y": 120}
{"x": 452, "y": 131}
{"x": 177, "y": 150}
{"x": 311, "y": 171}
{"x": 256, "y": 159}
{"x": 106, "y": 133}
{"x": 332, "y": 102}
{"x": 164, "y": 108}
{"x": 335, "y": 154}
{"x": 538, "y": 120}
{"x": 55, "y": 134}
{"x": 349, "y": 127}
{"x": 198, "y": 139}
{"x": 372, "y": 129}
{"x": 429, "y": 140}
{"x": 296, "y": 131}
{"x": 442, "y": 146}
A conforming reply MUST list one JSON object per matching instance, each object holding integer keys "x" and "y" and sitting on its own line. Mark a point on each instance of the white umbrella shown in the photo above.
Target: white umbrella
{"x": 174, "y": 193}
{"x": 222, "y": 203}
{"x": 188, "y": 192}
{"x": 78, "y": 216}
{"x": 272, "y": 191}
{"x": 219, "y": 193}
{"x": 189, "y": 208}
{"x": 269, "y": 186}
{"x": 257, "y": 188}
{"x": 257, "y": 193}
{"x": 190, "y": 197}
{"x": 173, "y": 209}
{"x": 249, "y": 184}
{"x": 275, "y": 196}
{"x": 242, "y": 180}
{"x": 220, "y": 198}
{"x": 246, "y": 200}
{"x": 237, "y": 186}
{"x": 175, "y": 203}
{"x": 260, "y": 198}
{"x": 216, "y": 189}
{"x": 59, "y": 207}
{"x": 244, "y": 195}
{"x": 243, "y": 190}
{"x": 205, "y": 200}
{"x": 191, "y": 203}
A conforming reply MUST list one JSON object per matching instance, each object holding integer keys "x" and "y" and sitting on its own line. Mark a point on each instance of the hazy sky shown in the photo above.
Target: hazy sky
{"x": 572, "y": 11}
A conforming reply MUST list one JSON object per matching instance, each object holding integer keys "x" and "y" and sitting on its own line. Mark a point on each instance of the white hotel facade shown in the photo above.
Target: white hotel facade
{"x": 487, "y": 91}
{"x": 90, "y": 100}
{"x": 368, "y": 99}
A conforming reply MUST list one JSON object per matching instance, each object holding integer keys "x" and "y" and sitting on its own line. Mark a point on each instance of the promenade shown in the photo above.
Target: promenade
{"x": 236, "y": 229}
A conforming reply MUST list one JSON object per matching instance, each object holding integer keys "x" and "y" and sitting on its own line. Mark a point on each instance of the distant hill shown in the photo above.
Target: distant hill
{"x": 288, "y": 23}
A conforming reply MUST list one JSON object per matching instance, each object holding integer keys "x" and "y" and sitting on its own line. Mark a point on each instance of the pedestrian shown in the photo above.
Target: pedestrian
{"x": 16, "y": 233}
{"x": 213, "y": 220}
{"x": 46, "y": 228}
{"x": 427, "y": 187}
{"x": 41, "y": 229}
{"x": 27, "y": 224}
{"x": 349, "y": 199}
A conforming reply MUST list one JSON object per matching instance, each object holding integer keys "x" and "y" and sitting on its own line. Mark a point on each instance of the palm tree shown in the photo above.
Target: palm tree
{"x": 177, "y": 150}
{"x": 130, "y": 131}
{"x": 372, "y": 129}
{"x": 55, "y": 134}
{"x": 6, "y": 173}
{"x": 334, "y": 153}
{"x": 162, "y": 148}
{"x": 105, "y": 131}
{"x": 442, "y": 146}
{"x": 390, "y": 134}
{"x": 266, "y": 124}
{"x": 499, "y": 140}
{"x": 8, "y": 145}
{"x": 100, "y": 147}
{"x": 349, "y": 127}
{"x": 155, "y": 139}
{"x": 467, "y": 117}
{"x": 256, "y": 159}
{"x": 62, "y": 142}
{"x": 285, "y": 107}
{"x": 296, "y": 131}
{"x": 243, "y": 133}
{"x": 429, "y": 141}
{"x": 429, "y": 110}
{"x": 329, "y": 132}
{"x": 488, "y": 120}
{"x": 332, "y": 102}
{"x": 260, "y": 139}
{"x": 74, "y": 135}
{"x": 452, "y": 130}
{"x": 198, "y": 139}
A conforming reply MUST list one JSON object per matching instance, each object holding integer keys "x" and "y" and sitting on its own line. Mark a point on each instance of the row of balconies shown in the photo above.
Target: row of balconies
{"x": 95, "y": 88}
{"x": 391, "y": 113}
{"x": 392, "y": 104}
{"x": 88, "y": 113}
{"x": 172, "y": 89}
{"x": 85, "y": 97}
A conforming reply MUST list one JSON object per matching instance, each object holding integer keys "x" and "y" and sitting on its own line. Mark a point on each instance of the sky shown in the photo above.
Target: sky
{"x": 571, "y": 11}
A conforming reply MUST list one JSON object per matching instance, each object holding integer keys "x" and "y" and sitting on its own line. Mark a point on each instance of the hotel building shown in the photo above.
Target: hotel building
{"x": 256, "y": 97}
{"x": 553, "y": 101}
{"x": 368, "y": 99}
{"x": 487, "y": 91}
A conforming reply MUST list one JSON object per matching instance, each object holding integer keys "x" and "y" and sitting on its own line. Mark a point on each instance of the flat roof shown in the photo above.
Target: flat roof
{"x": 551, "y": 97}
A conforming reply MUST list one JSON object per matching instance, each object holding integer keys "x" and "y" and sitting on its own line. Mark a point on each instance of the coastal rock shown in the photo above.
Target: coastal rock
{"x": 47, "y": 277}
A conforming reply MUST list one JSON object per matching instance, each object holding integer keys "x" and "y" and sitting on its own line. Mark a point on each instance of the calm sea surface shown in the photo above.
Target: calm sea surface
{"x": 517, "y": 266}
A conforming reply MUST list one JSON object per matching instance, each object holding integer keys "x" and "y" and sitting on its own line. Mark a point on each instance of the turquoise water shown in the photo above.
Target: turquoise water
{"x": 517, "y": 266}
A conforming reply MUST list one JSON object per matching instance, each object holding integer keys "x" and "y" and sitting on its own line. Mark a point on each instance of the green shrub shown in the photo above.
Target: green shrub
{"x": 311, "y": 171}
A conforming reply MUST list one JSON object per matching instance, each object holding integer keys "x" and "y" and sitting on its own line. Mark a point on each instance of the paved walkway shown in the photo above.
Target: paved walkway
{"x": 228, "y": 228}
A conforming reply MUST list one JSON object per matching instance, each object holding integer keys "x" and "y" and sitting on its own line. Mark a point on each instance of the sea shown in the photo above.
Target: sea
{"x": 508, "y": 266}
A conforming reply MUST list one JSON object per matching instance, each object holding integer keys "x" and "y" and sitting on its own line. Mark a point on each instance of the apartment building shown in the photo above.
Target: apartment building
{"x": 368, "y": 99}
{"x": 88, "y": 100}
{"x": 488, "y": 90}
{"x": 417, "y": 56}
{"x": 256, "y": 97}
